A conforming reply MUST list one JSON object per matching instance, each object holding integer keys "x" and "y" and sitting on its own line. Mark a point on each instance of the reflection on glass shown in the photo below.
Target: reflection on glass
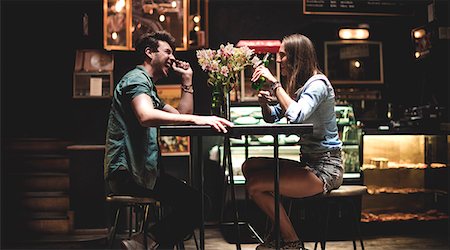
{"x": 154, "y": 15}
{"x": 354, "y": 62}
{"x": 116, "y": 23}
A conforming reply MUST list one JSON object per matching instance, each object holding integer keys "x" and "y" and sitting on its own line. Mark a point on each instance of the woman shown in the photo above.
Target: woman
{"x": 307, "y": 98}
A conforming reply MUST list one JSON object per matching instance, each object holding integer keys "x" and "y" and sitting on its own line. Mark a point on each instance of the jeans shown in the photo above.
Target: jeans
{"x": 184, "y": 203}
{"x": 327, "y": 166}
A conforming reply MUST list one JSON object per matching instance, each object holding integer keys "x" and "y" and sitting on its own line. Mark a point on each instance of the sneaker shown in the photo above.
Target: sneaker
{"x": 293, "y": 245}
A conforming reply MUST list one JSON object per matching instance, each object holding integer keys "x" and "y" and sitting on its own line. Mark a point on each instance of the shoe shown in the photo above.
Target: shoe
{"x": 131, "y": 245}
{"x": 269, "y": 243}
{"x": 137, "y": 243}
{"x": 293, "y": 245}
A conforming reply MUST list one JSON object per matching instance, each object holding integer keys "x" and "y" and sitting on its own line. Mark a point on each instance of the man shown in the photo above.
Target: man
{"x": 132, "y": 158}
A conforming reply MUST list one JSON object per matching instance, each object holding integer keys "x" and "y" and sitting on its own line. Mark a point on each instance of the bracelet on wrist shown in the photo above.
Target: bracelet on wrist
{"x": 187, "y": 89}
{"x": 275, "y": 85}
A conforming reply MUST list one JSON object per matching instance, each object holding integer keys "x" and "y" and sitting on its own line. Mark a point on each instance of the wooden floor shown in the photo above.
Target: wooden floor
{"x": 215, "y": 241}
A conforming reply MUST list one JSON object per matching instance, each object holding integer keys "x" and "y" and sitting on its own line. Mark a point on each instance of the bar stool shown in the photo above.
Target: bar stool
{"x": 141, "y": 206}
{"x": 345, "y": 193}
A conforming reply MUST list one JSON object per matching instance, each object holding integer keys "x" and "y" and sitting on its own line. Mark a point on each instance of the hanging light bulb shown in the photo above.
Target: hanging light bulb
{"x": 162, "y": 18}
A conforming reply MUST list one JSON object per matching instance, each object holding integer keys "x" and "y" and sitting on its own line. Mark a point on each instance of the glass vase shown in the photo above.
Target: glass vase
{"x": 220, "y": 101}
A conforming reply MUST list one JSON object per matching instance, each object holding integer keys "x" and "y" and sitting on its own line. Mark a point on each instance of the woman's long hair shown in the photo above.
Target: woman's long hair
{"x": 301, "y": 61}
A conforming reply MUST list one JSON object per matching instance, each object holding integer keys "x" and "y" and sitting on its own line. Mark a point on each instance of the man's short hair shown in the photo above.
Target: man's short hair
{"x": 150, "y": 40}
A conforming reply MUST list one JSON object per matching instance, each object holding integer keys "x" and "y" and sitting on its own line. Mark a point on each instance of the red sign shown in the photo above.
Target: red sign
{"x": 261, "y": 46}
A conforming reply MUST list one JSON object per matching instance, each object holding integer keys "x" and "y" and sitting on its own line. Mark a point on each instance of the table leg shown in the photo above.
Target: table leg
{"x": 277, "y": 192}
{"x": 228, "y": 163}
{"x": 202, "y": 191}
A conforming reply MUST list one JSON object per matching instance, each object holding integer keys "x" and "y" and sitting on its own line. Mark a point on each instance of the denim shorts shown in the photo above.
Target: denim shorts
{"x": 327, "y": 166}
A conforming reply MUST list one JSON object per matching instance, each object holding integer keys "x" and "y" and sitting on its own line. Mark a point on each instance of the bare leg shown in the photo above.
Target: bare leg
{"x": 295, "y": 182}
{"x": 265, "y": 201}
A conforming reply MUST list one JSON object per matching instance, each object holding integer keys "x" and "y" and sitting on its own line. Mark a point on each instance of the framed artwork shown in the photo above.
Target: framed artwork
{"x": 170, "y": 93}
{"x": 168, "y": 15}
{"x": 354, "y": 62}
{"x": 93, "y": 74}
{"x": 126, "y": 20}
{"x": 172, "y": 145}
{"x": 117, "y": 24}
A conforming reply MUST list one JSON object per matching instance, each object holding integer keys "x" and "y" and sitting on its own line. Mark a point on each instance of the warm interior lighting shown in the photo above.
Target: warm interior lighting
{"x": 419, "y": 33}
{"x": 162, "y": 18}
{"x": 120, "y": 4}
{"x": 196, "y": 28}
{"x": 196, "y": 19}
{"x": 114, "y": 35}
{"x": 353, "y": 33}
{"x": 417, "y": 54}
{"x": 174, "y": 4}
{"x": 357, "y": 64}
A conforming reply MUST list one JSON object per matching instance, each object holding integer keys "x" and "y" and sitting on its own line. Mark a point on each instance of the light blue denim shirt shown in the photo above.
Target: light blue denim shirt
{"x": 314, "y": 104}
{"x": 129, "y": 145}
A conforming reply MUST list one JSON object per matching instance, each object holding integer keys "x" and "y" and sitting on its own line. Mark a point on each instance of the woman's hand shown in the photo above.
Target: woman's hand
{"x": 261, "y": 70}
{"x": 218, "y": 123}
{"x": 265, "y": 97}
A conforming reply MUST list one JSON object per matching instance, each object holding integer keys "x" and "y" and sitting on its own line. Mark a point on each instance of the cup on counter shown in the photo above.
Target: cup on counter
{"x": 379, "y": 162}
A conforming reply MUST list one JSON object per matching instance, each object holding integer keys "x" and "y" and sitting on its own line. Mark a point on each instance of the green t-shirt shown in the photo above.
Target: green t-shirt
{"x": 128, "y": 144}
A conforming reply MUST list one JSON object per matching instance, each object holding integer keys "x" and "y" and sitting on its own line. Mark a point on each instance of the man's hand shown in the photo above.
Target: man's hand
{"x": 184, "y": 69}
{"x": 218, "y": 123}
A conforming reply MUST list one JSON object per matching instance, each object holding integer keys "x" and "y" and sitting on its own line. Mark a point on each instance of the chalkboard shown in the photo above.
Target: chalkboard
{"x": 359, "y": 7}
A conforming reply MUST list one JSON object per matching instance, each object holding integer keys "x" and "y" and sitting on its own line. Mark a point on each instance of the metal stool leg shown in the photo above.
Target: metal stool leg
{"x": 325, "y": 231}
{"x": 357, "y": 228}
{"x": 130, "y": 221}
{"x": 114, "y": 228}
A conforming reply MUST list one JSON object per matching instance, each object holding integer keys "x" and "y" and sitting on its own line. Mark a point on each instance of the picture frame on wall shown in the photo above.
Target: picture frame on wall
{"x": 124, "y": 21}
{"x": 93, "y": 74}
{"x": 354, "y": 62}
{"x": 117, "y": 24}
{"x": 168, "y": 15}
{"x": 172, "y": 145}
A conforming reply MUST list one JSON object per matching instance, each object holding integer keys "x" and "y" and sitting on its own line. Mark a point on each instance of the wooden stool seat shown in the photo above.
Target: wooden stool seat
{"x": 347, "y": 190}
{"x": 130, "y": 199}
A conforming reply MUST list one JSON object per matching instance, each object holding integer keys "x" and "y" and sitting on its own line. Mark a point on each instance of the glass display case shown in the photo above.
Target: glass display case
{"x": 406, "y": 174}
{"x": 349, "y": 133}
